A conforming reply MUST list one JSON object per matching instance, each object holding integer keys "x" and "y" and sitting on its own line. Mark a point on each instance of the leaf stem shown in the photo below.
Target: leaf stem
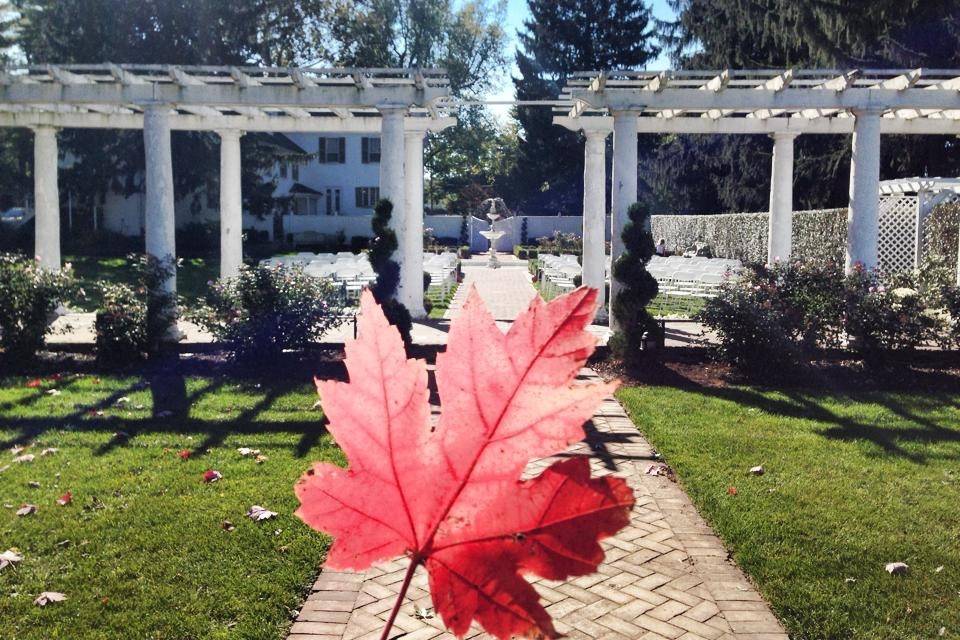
{"x": 414, "y": 561}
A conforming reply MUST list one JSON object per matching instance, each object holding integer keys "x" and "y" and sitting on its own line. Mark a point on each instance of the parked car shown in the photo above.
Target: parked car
{"x": 15, "y": 216}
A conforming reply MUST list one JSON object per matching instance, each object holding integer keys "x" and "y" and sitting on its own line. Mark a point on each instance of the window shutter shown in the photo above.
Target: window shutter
{"x": 343, "y": 150}
{"x": 322, "y": 150}
{"x": 358, "y": 192}
{"x": 365, "y": 150}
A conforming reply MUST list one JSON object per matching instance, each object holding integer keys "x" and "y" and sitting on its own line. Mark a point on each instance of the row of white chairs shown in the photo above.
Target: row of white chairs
{"x": 443, "y": 269}
{"x": 556, "y": 274}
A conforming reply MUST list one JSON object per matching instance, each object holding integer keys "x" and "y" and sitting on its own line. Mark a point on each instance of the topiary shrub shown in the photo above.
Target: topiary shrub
{"x": 267, "y": 310}
{"x": 29, "y": 296}
{"x": 382, "y": 248}
{"x": 637, "y": 288}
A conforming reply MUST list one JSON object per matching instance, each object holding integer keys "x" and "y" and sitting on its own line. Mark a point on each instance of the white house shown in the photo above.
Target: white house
{"x": 317, "y": 176}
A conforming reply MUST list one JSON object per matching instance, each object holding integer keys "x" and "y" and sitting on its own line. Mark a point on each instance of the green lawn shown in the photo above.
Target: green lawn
{"x": 852, "y": 482}
{"x": 440, "y": 302}
{"x": 140, "y": 552}
{"x": 192, "y": 277}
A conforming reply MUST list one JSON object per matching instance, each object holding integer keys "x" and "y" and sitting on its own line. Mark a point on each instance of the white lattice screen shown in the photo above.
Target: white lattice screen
{"x": 897, "y": 240}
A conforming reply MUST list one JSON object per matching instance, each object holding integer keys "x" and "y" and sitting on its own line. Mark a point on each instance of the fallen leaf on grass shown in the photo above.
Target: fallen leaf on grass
{"x": 33, "y": 484}
{"x": 259, "y": 459}
{"x": 15, "y": 449}
{"x": 226, "y": 525}
{"x": 49, "y": 451}
{"x": 938, "y": 569}
{"x": 53, "y": 392}
{"x": 247, "y": 451}
{"x": 184, "y": 454}
{"x": 849, "y": 580}
{"x": 27, "y": 457}
{"x": 258, "y": 513}
{"x": 897, "y": 568}
{"x": 122, "y": 401}
{"x": 4, "y": 468}
{"x": 9, "y": 557}
{"x": 756, "y": 471}
{"x": 26, "y": 510}
{"x": 65, "y": 499}
{"x": 211, "y": 475}
{"x": 731, "y": 491}
{"x": 33, "y": 384}
{"x": 47, "y": 597}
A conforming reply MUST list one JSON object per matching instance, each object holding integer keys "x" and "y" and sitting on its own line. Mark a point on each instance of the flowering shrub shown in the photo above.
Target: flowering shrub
{"x": 132, "y": 322}
{"x": 29, "y": 297}
{"x": 559, "y": 243}
{"x": 264, "y": 311}
{"x": 121, "y": 324}
{"x": 752, "y": 327}
{"x": 774, "y": 318}
{"x": 880, "y": 318}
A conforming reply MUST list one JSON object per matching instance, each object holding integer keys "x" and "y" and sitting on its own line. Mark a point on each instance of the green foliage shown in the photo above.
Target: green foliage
{"x": 382, "y": 248}
{"x": 559, "y": 243}
{"x": 464, "y": 238}
{"x": 29, "y": 297}
{"x": 121, "y": 325}
{"x": 714, "y": 173}
{"x": 637, "y": 286}
{"x": 560, "y": 37}
{"x": 817, "y": 235}
{"x": 265, "y": 311}
{"x": 134, "y": 321}
{"x": 772, "y": 320}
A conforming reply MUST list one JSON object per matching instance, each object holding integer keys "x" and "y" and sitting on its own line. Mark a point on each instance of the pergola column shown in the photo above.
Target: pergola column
{"x": 231, "y": 204}
{"x": 594, "y": 213}
{"x": 781, "y": 198}
{"x": 160, "y": 228}
{"x": 863, "y": 217}
{"x": 46, "y": 198}
{"x": 411, "y": 249}
{"x": 392, "y": 185}
{"x": 624, "y": 187}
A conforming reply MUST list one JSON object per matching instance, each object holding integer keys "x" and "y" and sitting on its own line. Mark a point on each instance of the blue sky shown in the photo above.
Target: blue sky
{"x": 517, "y": 12}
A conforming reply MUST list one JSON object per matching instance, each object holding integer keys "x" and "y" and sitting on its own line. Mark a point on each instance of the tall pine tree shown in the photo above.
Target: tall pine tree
{"x": 707, "y": 174}
{"x": 562, "y": 36}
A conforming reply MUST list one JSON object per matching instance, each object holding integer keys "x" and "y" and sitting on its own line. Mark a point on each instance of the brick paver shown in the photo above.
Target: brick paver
{"x": 665, "y": 576}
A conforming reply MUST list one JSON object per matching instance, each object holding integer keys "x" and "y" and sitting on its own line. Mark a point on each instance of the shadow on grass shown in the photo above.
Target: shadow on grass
{"x": 172, "y": 407}
{"x": 910, "y": 402}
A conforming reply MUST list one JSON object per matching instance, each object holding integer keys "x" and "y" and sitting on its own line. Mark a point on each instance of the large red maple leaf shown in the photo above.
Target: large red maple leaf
{"x": 450, "y": 497}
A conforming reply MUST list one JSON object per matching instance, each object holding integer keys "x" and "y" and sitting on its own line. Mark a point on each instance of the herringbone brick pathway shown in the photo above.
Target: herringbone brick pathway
{"x": 666, "y": 576}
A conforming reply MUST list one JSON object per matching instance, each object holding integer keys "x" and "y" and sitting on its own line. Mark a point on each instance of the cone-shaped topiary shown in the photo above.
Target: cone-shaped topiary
{"x": 638, "y": 287}
{"x": 382, "y": 248}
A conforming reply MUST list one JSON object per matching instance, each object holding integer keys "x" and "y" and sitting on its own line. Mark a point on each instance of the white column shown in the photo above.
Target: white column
{"x": 863, "y": 216}
{"x": 594, "y": 213}
{"x": 160, "y": 227}
{"x": 411, "y": 249}
{"x": 781, "y": 198}
{"x": 392, "y": 186}
{"x": 231, "y": 204}
{"x": 624, "y": 186}
{"x": 46, "y": 198}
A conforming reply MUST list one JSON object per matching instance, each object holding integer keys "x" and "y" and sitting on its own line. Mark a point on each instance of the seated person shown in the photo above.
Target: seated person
{"x": 662, "y": 247}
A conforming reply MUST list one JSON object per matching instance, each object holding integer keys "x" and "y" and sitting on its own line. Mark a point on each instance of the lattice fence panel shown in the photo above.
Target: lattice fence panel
{"x": 897, "y": 242}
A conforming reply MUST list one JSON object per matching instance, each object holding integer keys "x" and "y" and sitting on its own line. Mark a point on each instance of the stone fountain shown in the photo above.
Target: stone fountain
{"x": 494, "y": 209}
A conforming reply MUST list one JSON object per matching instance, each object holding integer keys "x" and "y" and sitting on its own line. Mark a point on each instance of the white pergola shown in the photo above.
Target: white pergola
{"x": 401, "y": 105}
{"x": 780, "y": 103}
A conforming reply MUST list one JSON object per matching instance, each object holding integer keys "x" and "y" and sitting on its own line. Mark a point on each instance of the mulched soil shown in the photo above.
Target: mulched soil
{"x": 693, "y": 368}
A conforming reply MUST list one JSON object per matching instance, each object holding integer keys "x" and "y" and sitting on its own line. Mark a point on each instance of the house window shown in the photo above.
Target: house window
{"x": 370, "y": 150}
{"x": 283, "y": 168}
{"x": 305, "y": 205}
{"x": 333, "y": 202}
{"x": 332, "y": 150}
{"x": 295, "y": 170}
{"x": 367, "y": 197}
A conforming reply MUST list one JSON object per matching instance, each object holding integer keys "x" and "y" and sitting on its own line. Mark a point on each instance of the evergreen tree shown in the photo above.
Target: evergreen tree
{"x": 560, "y": 37}
{"x": 708, "y": 174}
{"x": 638, "y": 287}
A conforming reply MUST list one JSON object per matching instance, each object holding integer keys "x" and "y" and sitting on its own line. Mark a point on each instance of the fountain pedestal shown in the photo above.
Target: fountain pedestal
{"x": 492, "y": 236}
